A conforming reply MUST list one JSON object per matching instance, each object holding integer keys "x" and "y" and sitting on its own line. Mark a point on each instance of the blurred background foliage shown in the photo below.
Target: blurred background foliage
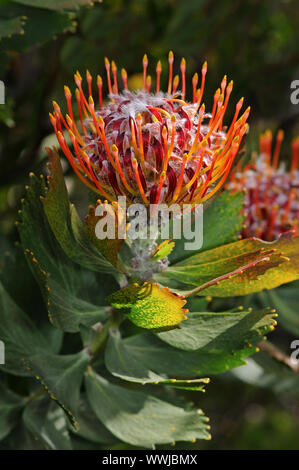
{"x": 254, "y": 42}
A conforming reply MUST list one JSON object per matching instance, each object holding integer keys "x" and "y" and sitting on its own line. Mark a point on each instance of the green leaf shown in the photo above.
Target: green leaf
{"x": 66, "y": 224}
{"x": 141, "y": 419}
{"x": 122, "y": 361}
{"x": 11, "y": 405}
{"x": 240, "y": 268}
{"x": 66, "y": 310}
{"x": 10, "y": 26}
{"x": 19, "y": 334}
{"x": 19, "y": 283}
{"x": 222, "y": 221}
{"x": 18, "y": 280}
{"x": 163, "y": 250}
{"x": 213, "y": 357}
{"x": 225, "y": 331}
{"x": 48, "y": 422}
{"x": 150, "y": 306}
{"x": 66, "y": 287}
{"x": 109, "y": 248}
{"x": 36, "y": 235}
{"x": 90, "y": 428}
{"x": 285, "y": 300}
{"x": 55, "y": 4}
{"x": 266, "y": 372}
{"x": 59, "y": 375}
{"x": 22, "y": 439}
{"x": 36, "y": 25}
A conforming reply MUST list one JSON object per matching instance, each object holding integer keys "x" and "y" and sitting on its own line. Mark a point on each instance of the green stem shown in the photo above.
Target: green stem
{"x": 113, "y": 322}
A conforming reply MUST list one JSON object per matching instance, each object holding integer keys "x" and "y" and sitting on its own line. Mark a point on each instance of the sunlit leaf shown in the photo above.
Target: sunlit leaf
{"x": 239, "y": 268}
{"x": 163, "y": 250}
{"x": 150, "y": 306}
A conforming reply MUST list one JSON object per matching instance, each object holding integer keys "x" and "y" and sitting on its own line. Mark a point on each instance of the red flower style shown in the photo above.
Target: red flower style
{"x": 152, "y": 147}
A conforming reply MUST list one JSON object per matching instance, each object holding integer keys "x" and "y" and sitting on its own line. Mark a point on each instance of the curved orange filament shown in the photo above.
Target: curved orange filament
{"x": 78, "y": 80}
{"x": 165, "y": 147}
{"x": 124, "y": 77}
{"x": 268, "y": 144}
{"x": 100, "y": 90}
{"x": 88, "y": 171}
{"x": 183, "y": 72}
{"x": 204, "y": 187}
{"x": 68, "y": 96}
{"x": 215, "y": 124}
{"x": 134, "y": 141}
{"x": 195, "y": 176}
{"x": 162, "y": 179}
{"x": 216, "y": 98}
{"x": 102, "y": 135}
{"x": 194, "y": 86}
{"x": 220, "y": 183}
{"x": 140, "y": 141}
{"x": 73, "y": 127}
{"x": 180, "y": 182}
{"x": 140, "y": 187}
{"x": 114, "y": 74}
{"x": 200, "y": 116}
{"x": 279, "y": 139}
{"x": 78, "y": 154}
{"x": 158, "y": 75}
{"x": 144, "y": 65}
{"x": 170, "y": 61}
{"x": 223, "y": 84}
{"x": 58, "y": 114}
{"x": 228, "y": 93}
{"x": 202, "y": 86}
{"x": 173, "y": 121}
{"x": 95, "y": 180}
{"x": 78, "y": 99}
{"x": 107, "y": 66}
{"x": 237, "y": 110}
{"x": 121, "y": 174}
{"x": 148, "y": 83}
{"x": 89, "y": 80}
{"x": 295, "y": 154}
{"x": 70, "y": 158}
{"x": 176, "y": 82}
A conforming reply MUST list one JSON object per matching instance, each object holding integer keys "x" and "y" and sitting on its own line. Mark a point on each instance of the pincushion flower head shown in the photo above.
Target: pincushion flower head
{"x": 272, "y": 196}
{"x": 148, "y": 145}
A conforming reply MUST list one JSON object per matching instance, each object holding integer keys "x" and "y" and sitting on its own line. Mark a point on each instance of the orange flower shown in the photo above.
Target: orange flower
{"x": 152, "y": 147}
{"x": 272, "y": 197}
